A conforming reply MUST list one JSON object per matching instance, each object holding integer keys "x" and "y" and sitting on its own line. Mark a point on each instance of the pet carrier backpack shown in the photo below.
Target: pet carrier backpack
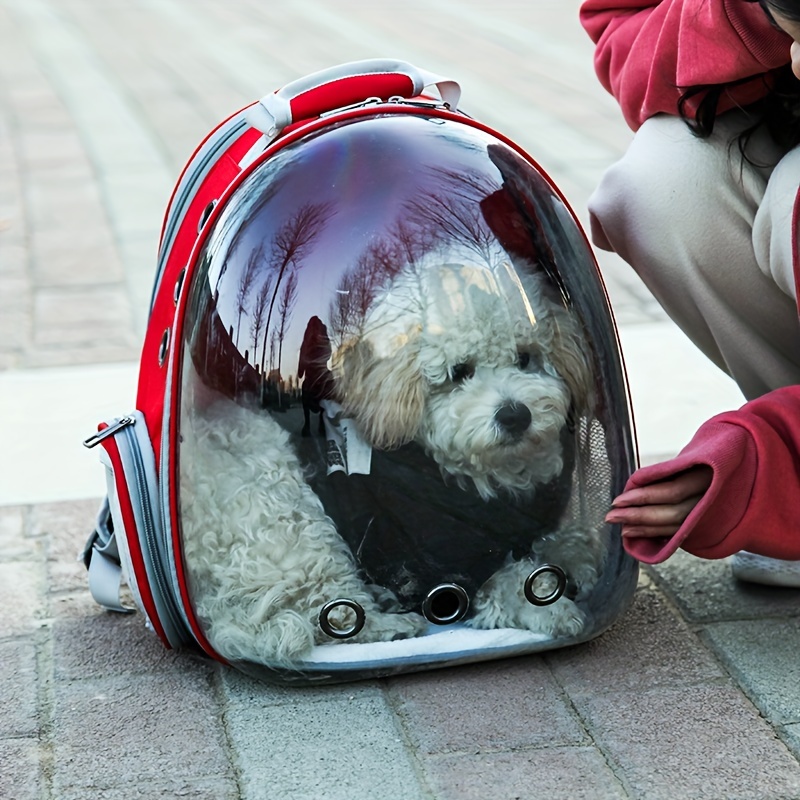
{"x": 381, "y": 409}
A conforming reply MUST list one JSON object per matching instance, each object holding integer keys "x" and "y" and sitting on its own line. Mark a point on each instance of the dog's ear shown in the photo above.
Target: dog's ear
{"x": 571, "y": 358}
{"x": 384, "y": 394}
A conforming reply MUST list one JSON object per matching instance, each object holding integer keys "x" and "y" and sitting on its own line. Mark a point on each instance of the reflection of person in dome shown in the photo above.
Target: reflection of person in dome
{"x": 313, "y": 370}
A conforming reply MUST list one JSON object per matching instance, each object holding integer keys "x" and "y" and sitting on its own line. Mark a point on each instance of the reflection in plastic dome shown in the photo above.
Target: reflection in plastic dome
{"x": 401, "y": 388}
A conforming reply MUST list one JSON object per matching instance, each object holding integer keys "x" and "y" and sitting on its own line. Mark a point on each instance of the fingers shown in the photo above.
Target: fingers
{"x": 653, "y": 520}
{"x": 676, "y": 490}
{"x": 659, "y": 509}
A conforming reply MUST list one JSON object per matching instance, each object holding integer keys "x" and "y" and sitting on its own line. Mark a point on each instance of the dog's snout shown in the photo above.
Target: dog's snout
{"x": 513, "y": 418}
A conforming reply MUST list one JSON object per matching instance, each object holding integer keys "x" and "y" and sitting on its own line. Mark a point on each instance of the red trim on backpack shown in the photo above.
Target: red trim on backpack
{"x": 224, "y": 179}
{"x": 152, "y": 375}
{"x": 132, "y": 538}
{"x": 186, "y": 169}
{"x": 347, "y": 91}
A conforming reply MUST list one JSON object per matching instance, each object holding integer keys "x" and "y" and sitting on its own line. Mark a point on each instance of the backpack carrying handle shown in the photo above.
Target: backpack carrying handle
{"x": 345, "y": 85}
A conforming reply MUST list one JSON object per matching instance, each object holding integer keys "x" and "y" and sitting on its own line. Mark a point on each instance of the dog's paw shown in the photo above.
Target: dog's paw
{"x": 381, "y": 626}
{"x": 501, "y": 603}
{"x": 562, "y": 618}
{"x": 282, "y": 639}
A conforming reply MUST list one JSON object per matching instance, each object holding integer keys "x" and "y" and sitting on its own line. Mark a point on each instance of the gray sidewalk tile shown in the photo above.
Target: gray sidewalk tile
{"x": 100, "y": 106}
{"x": 498, "y": 706}
{"x": 109, "y": 731}
{"x": 12, "y": 526}
{"x": 64, "y": 527}
{"x": 21, "y": 774}
{"x": 763, "y": 657}
{"x": 648, "y": 646}
{"x": 22, "y": 585}
{"x": 214, "y": 788}
{"x": 18, "y": 697}
{"x": 555, "y": 773}
{"x": 249, "y": 694}
{"x": 86, "y": 642}
{"x": 706, "y": 591}
{"x": 701, "y": 742}
{"x": 342, "y": 749}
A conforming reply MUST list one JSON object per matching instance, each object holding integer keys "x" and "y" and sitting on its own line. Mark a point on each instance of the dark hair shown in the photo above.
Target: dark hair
{"x": 778, "y": 111}
{"x": 786, "y": 8}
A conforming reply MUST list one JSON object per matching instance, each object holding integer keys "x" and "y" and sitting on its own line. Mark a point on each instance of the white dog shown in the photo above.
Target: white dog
{"x": 261, "y": 555}
{"x": 439, "y": 360}
{"x": 480, "y": 368}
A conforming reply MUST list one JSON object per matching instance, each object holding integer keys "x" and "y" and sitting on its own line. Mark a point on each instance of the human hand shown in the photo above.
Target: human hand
{"x": 659, "y": 509}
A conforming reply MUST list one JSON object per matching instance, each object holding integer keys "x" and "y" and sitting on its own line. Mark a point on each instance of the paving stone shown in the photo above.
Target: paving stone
{"x": 18, "y": 689}
{"x": 12, "y": 542}
{"x": 791, "y": 735}
{"x": 85, "y": 316}
{"x": 698, "y": 743}
{"x": 649, "y": 646}
{"x": 224, "y": 788}
{"x": 15, "y": 330}
{"x": 248, "y": 693}
{"x": 21, "y": 596}
{"x": 557, "y": 773}
{"x": 20, "y": 769}
{"x": 65, "y": 527}
{"x": 501, "y": 705}
{"x": 762, "y": 656}
{"x": 342, "y": 749}
{"x": 90, "y": 262}
{"x": 100, "y": 106}
{"x": 707, "y": 591}
{"x": 105, "y": 643}
{"x": 158, "y": 728}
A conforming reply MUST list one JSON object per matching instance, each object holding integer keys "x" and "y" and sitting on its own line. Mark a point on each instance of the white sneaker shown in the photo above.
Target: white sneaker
{"x": 753, "y": 568}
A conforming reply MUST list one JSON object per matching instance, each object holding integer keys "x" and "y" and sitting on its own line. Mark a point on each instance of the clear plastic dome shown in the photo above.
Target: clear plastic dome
{"x": 403, "y": 413}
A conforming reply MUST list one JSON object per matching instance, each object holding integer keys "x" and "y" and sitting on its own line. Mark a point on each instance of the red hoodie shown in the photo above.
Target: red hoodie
{"x": 647, "y": 54}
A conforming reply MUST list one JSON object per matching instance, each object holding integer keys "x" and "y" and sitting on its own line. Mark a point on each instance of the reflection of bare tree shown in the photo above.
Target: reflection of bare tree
{"x": 452, "y": 214}
{"x": 246, "y": 280}
{"x": 257, "y": 324}
{"x": 273, "y": 346}
{"x": 445, "y": 223}
{"x": 285, "y": 308}
{"x": 292, "y": 241}
{"x": 268, "y": 264}
{"x": 359, "y": 284}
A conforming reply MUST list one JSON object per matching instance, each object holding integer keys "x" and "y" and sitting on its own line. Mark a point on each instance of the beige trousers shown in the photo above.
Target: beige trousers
{"x": 710, "y": 234}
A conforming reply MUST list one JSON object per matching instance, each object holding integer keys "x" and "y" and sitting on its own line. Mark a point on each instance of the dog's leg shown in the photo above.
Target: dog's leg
{"x": 501, "y": 603}
{"x": 262, "y": 556}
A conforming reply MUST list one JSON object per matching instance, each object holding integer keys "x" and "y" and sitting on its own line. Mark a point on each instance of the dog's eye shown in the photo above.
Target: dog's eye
{"x": 529, "y": 362}
{"x": 461, "y": 372}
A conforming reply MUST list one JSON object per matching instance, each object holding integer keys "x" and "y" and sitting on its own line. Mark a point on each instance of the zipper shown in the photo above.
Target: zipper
{"x": 110, "y": 430}
{"x": 153, "y": 556}
{"x": 152, "y": 549}
{"x": 199, "y": 173}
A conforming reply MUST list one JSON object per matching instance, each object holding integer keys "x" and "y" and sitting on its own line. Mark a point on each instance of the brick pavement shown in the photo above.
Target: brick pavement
{"x": 692, "y": 694}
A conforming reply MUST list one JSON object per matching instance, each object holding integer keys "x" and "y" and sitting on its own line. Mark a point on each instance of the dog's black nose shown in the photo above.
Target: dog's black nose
{"x": 514, "y": 418}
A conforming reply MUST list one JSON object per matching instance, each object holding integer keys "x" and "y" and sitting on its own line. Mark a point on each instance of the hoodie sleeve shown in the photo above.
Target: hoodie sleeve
{"x": 648, "y": 53}
{"x": 753, "y": 502}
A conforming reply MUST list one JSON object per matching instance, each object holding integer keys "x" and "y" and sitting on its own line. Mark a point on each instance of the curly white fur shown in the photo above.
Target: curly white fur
{"x": 262, "y": 556}
{"x": 435, "y": 358}
{"x": 439, "y": 354}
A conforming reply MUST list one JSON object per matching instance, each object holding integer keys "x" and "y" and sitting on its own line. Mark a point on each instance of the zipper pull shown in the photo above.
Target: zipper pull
{"x": 112, "y": 429}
